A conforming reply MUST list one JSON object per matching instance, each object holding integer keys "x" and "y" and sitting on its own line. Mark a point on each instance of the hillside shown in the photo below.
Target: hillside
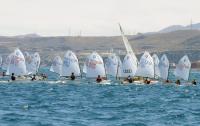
{"x": 175, "y": 44}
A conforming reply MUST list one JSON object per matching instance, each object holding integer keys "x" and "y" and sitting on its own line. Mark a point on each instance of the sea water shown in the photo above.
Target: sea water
{"x": 52, "y": 103}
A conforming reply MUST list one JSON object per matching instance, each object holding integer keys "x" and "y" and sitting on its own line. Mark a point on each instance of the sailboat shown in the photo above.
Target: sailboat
{"x": 70, "y": 65}
{"x": 156, "y": 66}
{"x": 119, "y": 68}
{"x": 7, "y": 61}
{"x": 111, "y": 65}
{"x": 32, "y": 62}
{"x": 130, "y": 62}
{"x": 164, "y": 67}
{"x": 146, "y": 66}
{"x": 17, "y": 64}
{"x": 127, "y": 45}
{"x": 95, "y": 66}
{"x": 129, "y": 66}
{"x": 182, "y": 70}
{"x": 56, "y": 66}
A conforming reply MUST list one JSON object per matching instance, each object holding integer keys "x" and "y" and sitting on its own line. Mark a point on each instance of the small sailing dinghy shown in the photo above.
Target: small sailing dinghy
{"x": 7, "y": 61}
{"x": 146, "y": 69}
{"x": 164, "y": 67}
{"x": 32, "y": 62}
{"x": 130, "y": 62}
{"x": 70, "y": 65}
{"x": 95, "y": 67}
{"x": 56, "y": 66}
{"x": 17, "y": 65}
{"x": 182, "y": 70}
{"x": 111, "y": 65}
{"x": 129, "y": 66}
{"x": 156, "y": 66}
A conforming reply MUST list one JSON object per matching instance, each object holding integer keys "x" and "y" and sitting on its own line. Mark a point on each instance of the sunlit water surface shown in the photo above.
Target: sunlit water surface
{"x": 80, "y": 103}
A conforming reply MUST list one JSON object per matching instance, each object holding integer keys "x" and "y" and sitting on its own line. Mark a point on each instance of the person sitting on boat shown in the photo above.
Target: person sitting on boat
{"x": 194, "y": 82}
{"x": 72, "y": 76}
{"x": 178, "y": 82}
{"x": 13, "y": 78}
{"x": 129, "y": 79}
{"x": 147, "y": 81}
{"x": 33, "y": 78}
{"x": 167, "y": 81}
{"x": 44, "y": 76}
{"x": 99, "y": 79}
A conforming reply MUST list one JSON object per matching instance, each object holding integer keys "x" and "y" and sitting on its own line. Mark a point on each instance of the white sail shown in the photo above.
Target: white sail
{"x": 95, "y": 66}
{"x": 57, "y": 65}
{"x": 129, "y": 66}
{"x": 70, "y": 64}
{"x": 1, "y": 61}
{"x": 127, "y": 45}
{"x": 17, "y": 64}
{"x": 164, "y": 67}
{"x": 37, "y": 60}
{"x": 32, "y": 62}
{"x": 84, "y": 68}
{"x": 156, "y": 65}
{"x": 111, "y": 65}
{"x": 146, "y": 66}
{"x": 7, "y": 61}
{"x": 183, "y": 68}
{"x": 119, "y": 68}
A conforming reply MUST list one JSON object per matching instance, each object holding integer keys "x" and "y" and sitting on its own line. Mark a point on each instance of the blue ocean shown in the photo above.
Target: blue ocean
{"x": 79, "y": 103}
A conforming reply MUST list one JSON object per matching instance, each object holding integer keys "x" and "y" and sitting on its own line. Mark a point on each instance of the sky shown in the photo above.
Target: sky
{"x": 94, "y": 17}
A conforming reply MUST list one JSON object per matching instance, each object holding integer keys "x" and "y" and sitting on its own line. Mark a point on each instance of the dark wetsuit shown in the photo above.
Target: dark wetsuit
{"x": 13, "y": 78}
{"x": 130, "y": 80}
{"x": 98, "y": 80}
{"x": 33, "y": 79}
{"x": 148, "y": 81}
{"x": 194, "y": 82}
{"x": 72, "y": 77}
{"x": 178, "y": 82}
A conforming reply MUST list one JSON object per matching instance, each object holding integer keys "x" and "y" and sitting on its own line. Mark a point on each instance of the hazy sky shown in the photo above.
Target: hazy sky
{"x": 93, "y": 17}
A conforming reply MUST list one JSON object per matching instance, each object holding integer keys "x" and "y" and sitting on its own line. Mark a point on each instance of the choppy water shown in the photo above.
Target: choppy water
{"x": 83, "y": 104}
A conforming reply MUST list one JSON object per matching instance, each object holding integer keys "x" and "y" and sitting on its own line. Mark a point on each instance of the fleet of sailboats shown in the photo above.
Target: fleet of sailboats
{"x": 147, "y": 67}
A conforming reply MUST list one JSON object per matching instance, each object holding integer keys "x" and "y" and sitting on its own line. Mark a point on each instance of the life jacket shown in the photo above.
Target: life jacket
{"x": 98, "y": 80}
{"x": 72, "y": 77}
{"x": 13, "y": 78}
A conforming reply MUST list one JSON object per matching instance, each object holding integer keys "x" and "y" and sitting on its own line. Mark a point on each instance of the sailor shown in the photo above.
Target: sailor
{"x": 147, "y": 81}
{"x": 44, "y": 76}
{"x": 33, "y": 78}
{"x": 194, "y": 82}
{"x": 99, "y": 79}
{"x": 72, "y": 76}
{"x": 178, "y": 82}
{"x": 13, "y": 78}
{"x": 167, "y": 81}
{"x": 129, "y": 79}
